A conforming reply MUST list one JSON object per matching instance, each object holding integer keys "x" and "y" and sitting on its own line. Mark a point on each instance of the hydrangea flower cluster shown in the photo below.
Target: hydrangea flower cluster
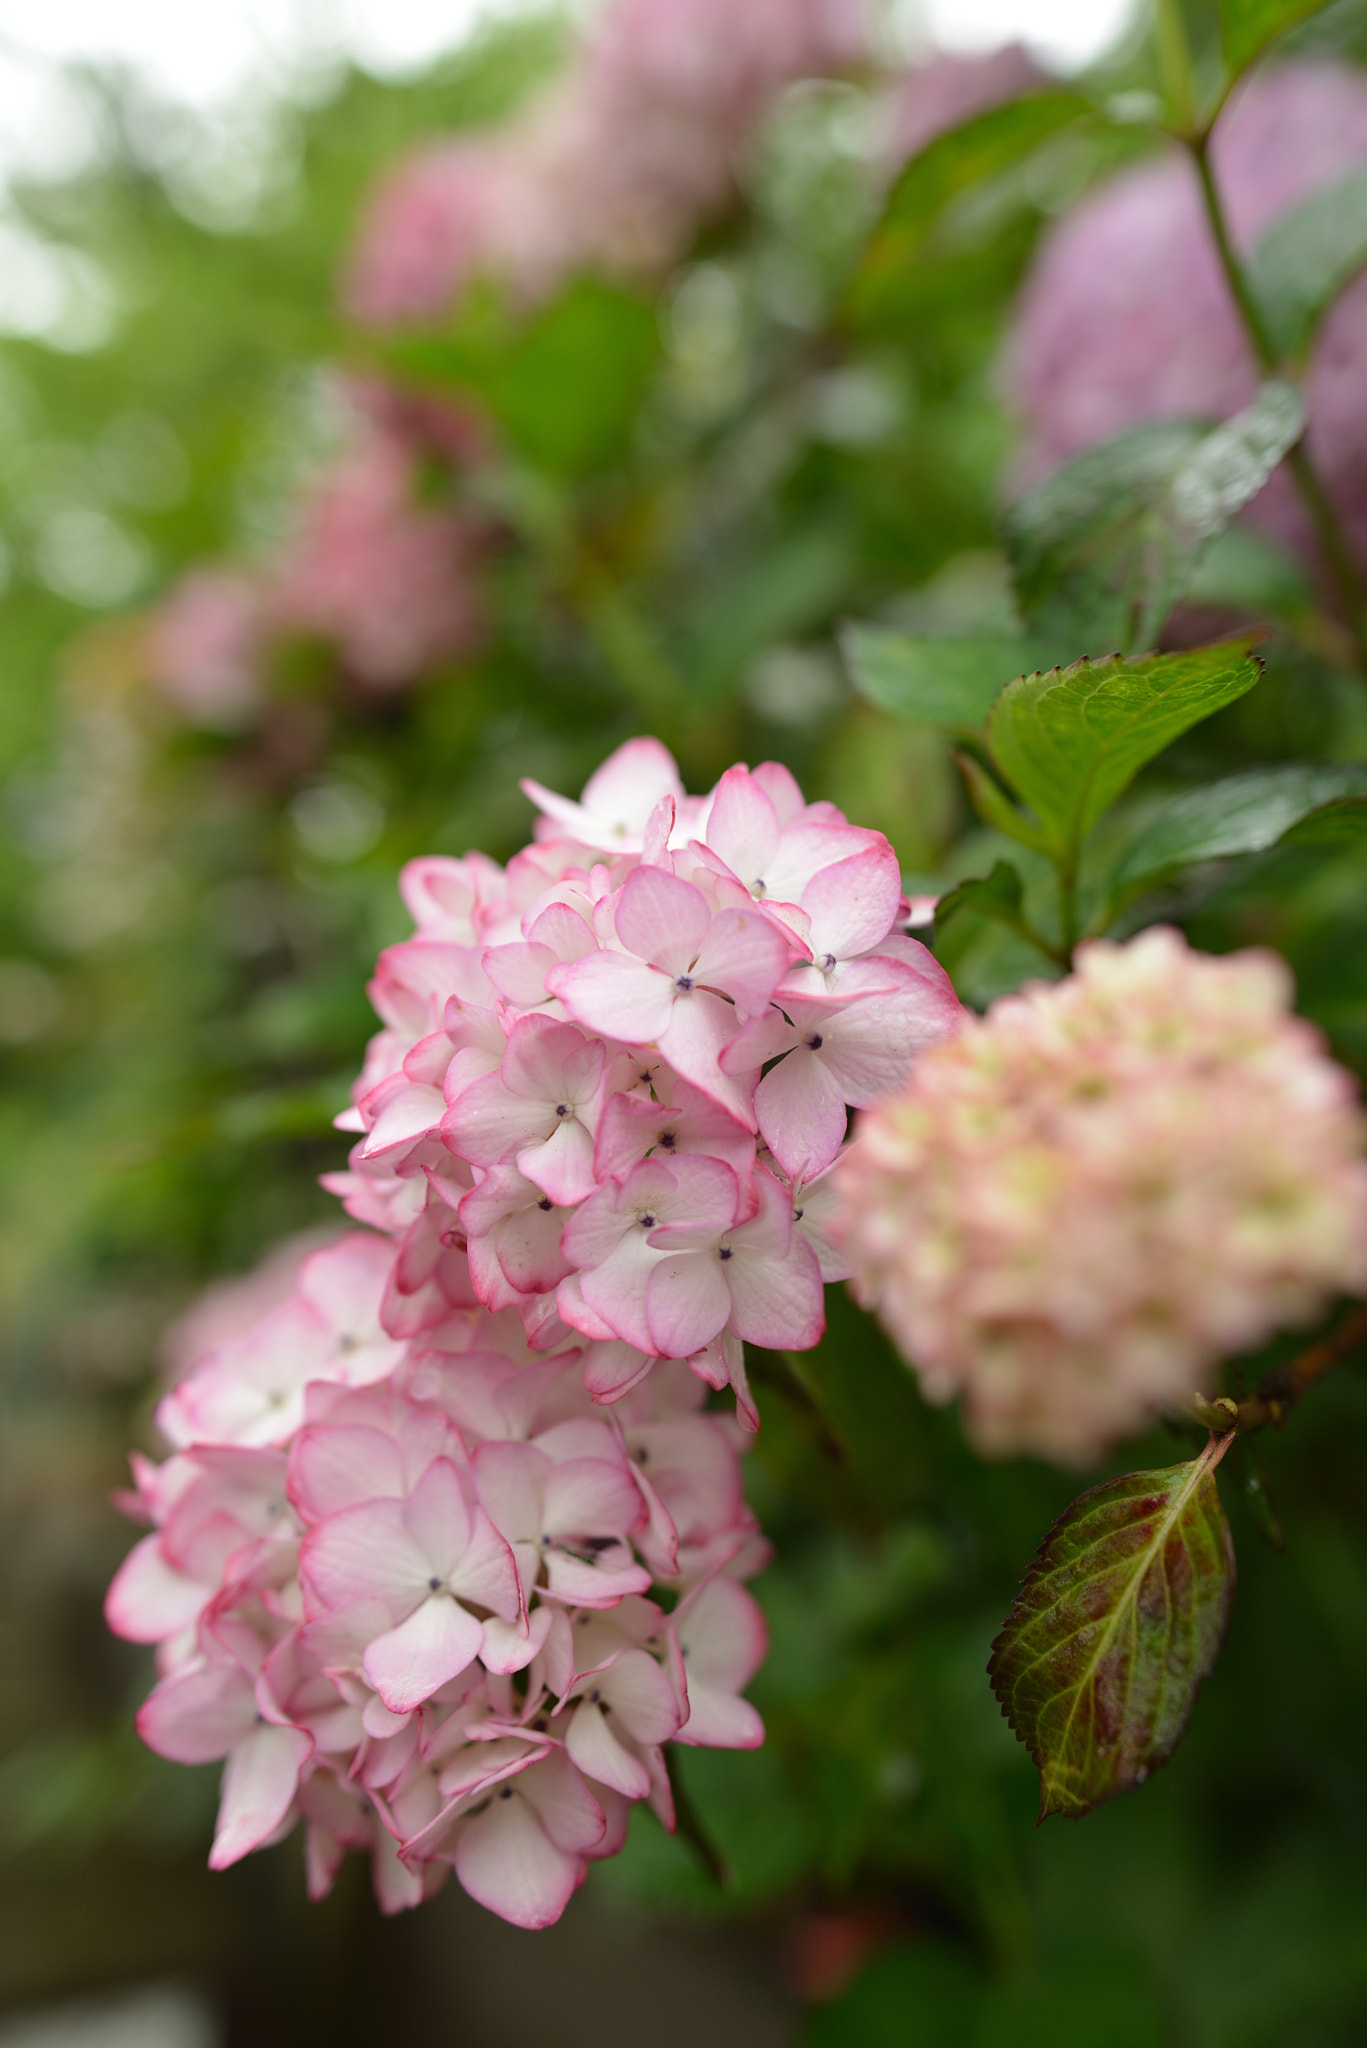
{"x": 403, "y": 1555}
{"x": 1126, "y": 316}
{"x": 613, "y": 166}
{"x": 1103, "y": 1187}
{"x": 386, "y": 579}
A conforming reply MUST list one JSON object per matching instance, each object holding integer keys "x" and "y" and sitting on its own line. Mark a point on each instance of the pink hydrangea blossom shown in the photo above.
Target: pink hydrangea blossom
{"x": 402, "y": 1557}
{"x": 613, "y": 166}
{"x": 1075, "y": 1210}
{"x": 382, "y": 576}
{"x": 1126, "y": 316}
{"x": 206, "y": 644}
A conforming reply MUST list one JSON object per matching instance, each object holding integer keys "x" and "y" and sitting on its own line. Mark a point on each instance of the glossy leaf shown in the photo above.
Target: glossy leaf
{"x": 1106, "y": 546}
{"x": 1243, "y": 814}
{"x": 1307, "y": 257}
{"x": 933, "y": 680}
{"x": 1248, "y": 26}
{"x": 1118, "y": 1620}
{"x": 1070, "y": 740}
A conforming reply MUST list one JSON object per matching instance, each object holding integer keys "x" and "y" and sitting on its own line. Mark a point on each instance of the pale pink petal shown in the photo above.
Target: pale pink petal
{"x": 801, "y": 1114}
{"x": 407, "y": 1664}
{"x": 698, "y": 1028}
{"x": 562, "y": 1167}
{"x": 854, "y": 904}
{"x": 661, "y": 919}
{"x": 615, "y": 994}
{"x": 593, "y": 1746}
{"x": 687, "y": 1303}
{"x": 506, "y": 1861}
{"x": 149, "y": 1599}
{"x": 745, "y": 957}
{"x": 199, "y": 1714}
{"x": 567, "y": 1810}
{"x": 259, "y": 1785}
{"x": 743, "y": 828}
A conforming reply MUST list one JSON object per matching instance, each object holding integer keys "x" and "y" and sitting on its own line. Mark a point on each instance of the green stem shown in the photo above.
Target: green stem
{"x": 1338, "y": 554}
{"x": 688, "y": 1823}
{"x": 1174, "y": 63}
{"x": 1277, "y": 1393}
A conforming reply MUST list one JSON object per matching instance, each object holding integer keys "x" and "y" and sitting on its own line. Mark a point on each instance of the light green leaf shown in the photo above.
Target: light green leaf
{"x": 1248, "y": 26}
{"x": 1070, "y": 740}
{"x": 1244, "y": 814}
{"x": 933, "y": 680}
{"x": 1307, "y": 258}
{"x": 1105, "y": 547}
{"x": 1118, "y": 1620}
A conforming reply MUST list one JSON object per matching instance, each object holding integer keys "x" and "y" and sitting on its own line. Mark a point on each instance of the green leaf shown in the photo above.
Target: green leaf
{"x": 995, "y": 807}
{"x": 1307, "y": 258}
{"x": 1340, "y": 823}
{"x": 1106, "y": 546}
{"x": 933, "y": 680}
{"x": 998, "y": 895}
{"x": 1070, "y": 740}
{"x": 1118, "y": 1620}
{"x": 1248, "y": 26}
{"x": 984, "y": 148}
{"x": 1244, "y": 814}
{"x": 565, "y": 386}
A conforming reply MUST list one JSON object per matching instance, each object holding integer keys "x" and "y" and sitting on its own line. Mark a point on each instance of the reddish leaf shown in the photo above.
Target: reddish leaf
{"x": 1118, "y": 1620}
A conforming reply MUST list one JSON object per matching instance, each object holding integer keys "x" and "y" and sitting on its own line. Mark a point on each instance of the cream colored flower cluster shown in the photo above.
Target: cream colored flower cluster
{"x": 1080, "y": 1204}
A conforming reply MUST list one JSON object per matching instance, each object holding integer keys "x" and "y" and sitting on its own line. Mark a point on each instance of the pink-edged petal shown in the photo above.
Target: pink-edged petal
{"x": 632, "y": 780}
{"x": 662, "y": 920}
{"x": 613, "y": 1368}
{"x": 595, "y": 1749}
{"x": 778, "y": 1302}
{"x": 641, "y": 1697}
{"x": 801, "y": 1114}
{"x": 487, "y": 1122}
{"x": 591, "y": 1497}
{"x": 149, "y": 1599}
{"x": 363, "y": 1553}
{"x": 615, "y": 994}
{"x": 336, "y": 1468}
{"x": 510, "y": 1647}
{"x": 562, "y": 1167}
{"x": 199, "y": 1714}
{"x": 259, "y": 1785}
{"x": 688, "y": 1302}
{"x": 543, "y": 1056}
{"x": 567, "y": 1810}
{"x": 407, "y": 1664}
{"x": 720, "y": 1720}
{"x": 699, "y": 1027}
{"x": 505, "y": 1860}
{"x": 743, "y": 828}
{"x": 745, "y": 957}
{"x": 853, "y": 905}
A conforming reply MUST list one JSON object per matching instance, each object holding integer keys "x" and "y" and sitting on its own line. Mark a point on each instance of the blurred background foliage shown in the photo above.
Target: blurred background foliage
{"x": 685, "y": 484}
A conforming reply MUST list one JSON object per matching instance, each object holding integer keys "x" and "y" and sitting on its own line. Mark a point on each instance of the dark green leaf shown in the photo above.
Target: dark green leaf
{"x": 981, "y": 149}
{"x": 565, "y": 387}
{"x": 933, "y": 680}
{"x": 1244, "y": 814}
{"x": 1070, "y": 740}
{"x": 1307, "y": 257}
{"x": 998, "y": 895}
{"x": 1257, "y": 1495}
{"x": 1106, "y": 546}
{"x": 1118, "y": 1620}
{"x": 1340, "y": 823}
{"x": 1248, "y": 26}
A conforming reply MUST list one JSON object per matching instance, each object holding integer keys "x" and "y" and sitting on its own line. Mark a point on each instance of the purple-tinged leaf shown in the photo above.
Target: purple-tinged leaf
{"x": 1118, "y": 1620}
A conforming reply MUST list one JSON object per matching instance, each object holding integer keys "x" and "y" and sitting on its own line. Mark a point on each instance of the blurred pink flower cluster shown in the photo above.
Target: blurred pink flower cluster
{"x": 1103, "y": 1187}
{"x": 403, "y": 1550}
{"x": 388, "y": 579}
{"x": 613, "y": 167}
{"x": 1126, "y": 316}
